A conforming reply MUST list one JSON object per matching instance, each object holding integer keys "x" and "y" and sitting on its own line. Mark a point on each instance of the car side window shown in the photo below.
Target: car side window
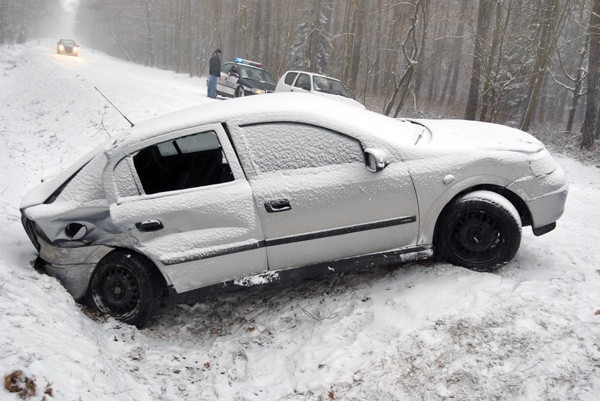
{"x": 289, "y": 78}
{"x": 303, "y": 82}
{"x": 292, "y": 146}
{"x": 187, "y": 162}
{"x": 227, "y": 67}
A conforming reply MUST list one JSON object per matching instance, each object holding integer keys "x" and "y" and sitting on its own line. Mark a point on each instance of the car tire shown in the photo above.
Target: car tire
{"x": 480, "y": 231}
{"x": 240, "y": 92}
{"x": 126, "y": 286}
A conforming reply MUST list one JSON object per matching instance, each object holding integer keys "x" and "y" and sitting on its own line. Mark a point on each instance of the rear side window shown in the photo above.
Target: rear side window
{"x": 289, "y": 78}
{"x": 188, "y": 162}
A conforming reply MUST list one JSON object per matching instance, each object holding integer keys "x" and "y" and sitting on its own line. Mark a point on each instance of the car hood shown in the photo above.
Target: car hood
{"x": 455, "y": 135}
{"x": 266, "y": 86}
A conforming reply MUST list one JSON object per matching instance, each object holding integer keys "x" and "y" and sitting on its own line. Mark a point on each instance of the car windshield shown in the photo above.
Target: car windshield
{"x": 67, "y": 42}
{"x": 256, "y": 74}
{"x": 332, "y": 86}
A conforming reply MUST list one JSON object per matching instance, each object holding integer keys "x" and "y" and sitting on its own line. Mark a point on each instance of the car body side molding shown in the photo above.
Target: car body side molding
{"x": 226, "y": 250}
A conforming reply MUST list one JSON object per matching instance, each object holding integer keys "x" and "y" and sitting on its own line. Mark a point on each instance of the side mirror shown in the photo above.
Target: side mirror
{"x": 374, "y": 160}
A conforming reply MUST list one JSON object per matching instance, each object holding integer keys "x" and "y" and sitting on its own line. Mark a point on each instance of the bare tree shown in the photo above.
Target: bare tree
{"x": 388, "y": 53}
{"x": 151, "y": 59}
{"x": 412, "y": 52}
{"x": 545, "y": 45}
{"x": 591, "y": 124}
{"x": 483, "y": 17}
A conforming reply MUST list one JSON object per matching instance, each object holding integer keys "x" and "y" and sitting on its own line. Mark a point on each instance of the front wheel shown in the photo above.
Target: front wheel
{"x": 126, "y": 286}
{"x": 240, "y": 92}
{"x": 479, "y": 231}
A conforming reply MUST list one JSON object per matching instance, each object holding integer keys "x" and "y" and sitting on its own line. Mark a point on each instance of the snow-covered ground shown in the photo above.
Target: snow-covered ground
{"x": 425, "y": 331}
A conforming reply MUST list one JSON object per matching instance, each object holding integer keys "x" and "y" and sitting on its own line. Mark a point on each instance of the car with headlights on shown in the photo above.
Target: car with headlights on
{"x": 244, "y": 77}
{"x": 67, "y": 46}
{"x": 257, "y": 189}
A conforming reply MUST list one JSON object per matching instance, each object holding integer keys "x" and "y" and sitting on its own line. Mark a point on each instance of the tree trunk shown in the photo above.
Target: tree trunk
{"x": 4, "y": 6}
{"x": 481, "y": 33}
{"x": 488, "y": 84}
{"x": 314, "y": 35}
{"x": 592, "y": 121}
{"x": 358, "y": 24}
{"x": 187, "y": 37}
{"x": 452, "y": 87}
{"x": 151, "y": 59}
{"x": 550, "y": 27}
{"x": 576, "y": 91}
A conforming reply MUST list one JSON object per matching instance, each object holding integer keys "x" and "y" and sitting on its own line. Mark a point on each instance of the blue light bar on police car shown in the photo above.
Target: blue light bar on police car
{"x": 240, "y": 60}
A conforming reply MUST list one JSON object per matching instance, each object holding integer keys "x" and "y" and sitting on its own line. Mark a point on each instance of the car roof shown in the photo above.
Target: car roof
{"x": 314, "y": 74}
{"x": 273, "y": 107}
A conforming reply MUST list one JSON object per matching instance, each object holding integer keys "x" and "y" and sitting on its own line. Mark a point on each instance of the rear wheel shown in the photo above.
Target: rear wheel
{"x": 125, "y": 285}
{"x": 480, "y": 231}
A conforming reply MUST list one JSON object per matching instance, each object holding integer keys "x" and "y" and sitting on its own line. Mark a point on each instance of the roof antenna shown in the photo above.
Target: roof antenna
{"x": 111, "y": 103}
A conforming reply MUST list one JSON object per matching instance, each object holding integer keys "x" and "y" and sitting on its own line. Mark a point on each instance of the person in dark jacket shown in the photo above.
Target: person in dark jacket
{"x": 214, "y": 71}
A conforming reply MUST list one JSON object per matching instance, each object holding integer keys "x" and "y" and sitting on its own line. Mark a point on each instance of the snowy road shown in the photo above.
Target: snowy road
{"x": 422, "y": 331}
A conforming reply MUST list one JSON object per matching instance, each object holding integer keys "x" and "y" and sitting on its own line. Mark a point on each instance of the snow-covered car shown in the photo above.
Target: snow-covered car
{"x": 303, "y": 81}
{"x": 245, "y": 192}
{"x": 244, "y": 77}
{"x": 67, "y": 46}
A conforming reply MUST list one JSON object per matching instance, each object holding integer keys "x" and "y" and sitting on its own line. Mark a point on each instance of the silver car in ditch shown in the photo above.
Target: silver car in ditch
{"x": 229, "y": 193}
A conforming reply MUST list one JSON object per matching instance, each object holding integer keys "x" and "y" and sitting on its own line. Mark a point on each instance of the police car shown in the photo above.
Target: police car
{"x": 243, "y": 77}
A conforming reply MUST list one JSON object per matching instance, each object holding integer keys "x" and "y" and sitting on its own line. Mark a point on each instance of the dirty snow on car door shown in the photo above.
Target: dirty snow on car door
{"x": 316, "y": 200}
{"x": 184, "y": 201}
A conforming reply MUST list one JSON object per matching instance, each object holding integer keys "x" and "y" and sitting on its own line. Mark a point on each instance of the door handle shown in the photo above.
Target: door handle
{"x": 149, "y": 225}
{"x": 279, "y": 205}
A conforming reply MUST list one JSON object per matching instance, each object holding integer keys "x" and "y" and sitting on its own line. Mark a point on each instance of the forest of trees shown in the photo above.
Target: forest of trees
{"x": 524, "y": 63}
{"x": 22, "y": 20}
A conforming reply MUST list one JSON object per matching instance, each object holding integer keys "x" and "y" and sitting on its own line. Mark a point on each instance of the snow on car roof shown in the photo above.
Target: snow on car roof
{"x": 277, "y": 107}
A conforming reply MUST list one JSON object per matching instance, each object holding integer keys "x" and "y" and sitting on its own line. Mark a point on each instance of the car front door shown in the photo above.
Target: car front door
{"x": 227, "y": 82}
{"x": 316, "y": 200}
{"x": 302, "y": 84}
{"x": 183, "y": 201}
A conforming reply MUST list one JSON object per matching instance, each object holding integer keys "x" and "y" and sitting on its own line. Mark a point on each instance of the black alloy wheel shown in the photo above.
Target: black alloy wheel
{"x": 480, "y": 231}
{"x": 126, "y": 286}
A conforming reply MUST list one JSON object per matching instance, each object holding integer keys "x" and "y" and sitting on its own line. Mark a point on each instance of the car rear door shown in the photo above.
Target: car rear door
{"x": 316, "y": 200}
{"x": 183, "y": 201}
